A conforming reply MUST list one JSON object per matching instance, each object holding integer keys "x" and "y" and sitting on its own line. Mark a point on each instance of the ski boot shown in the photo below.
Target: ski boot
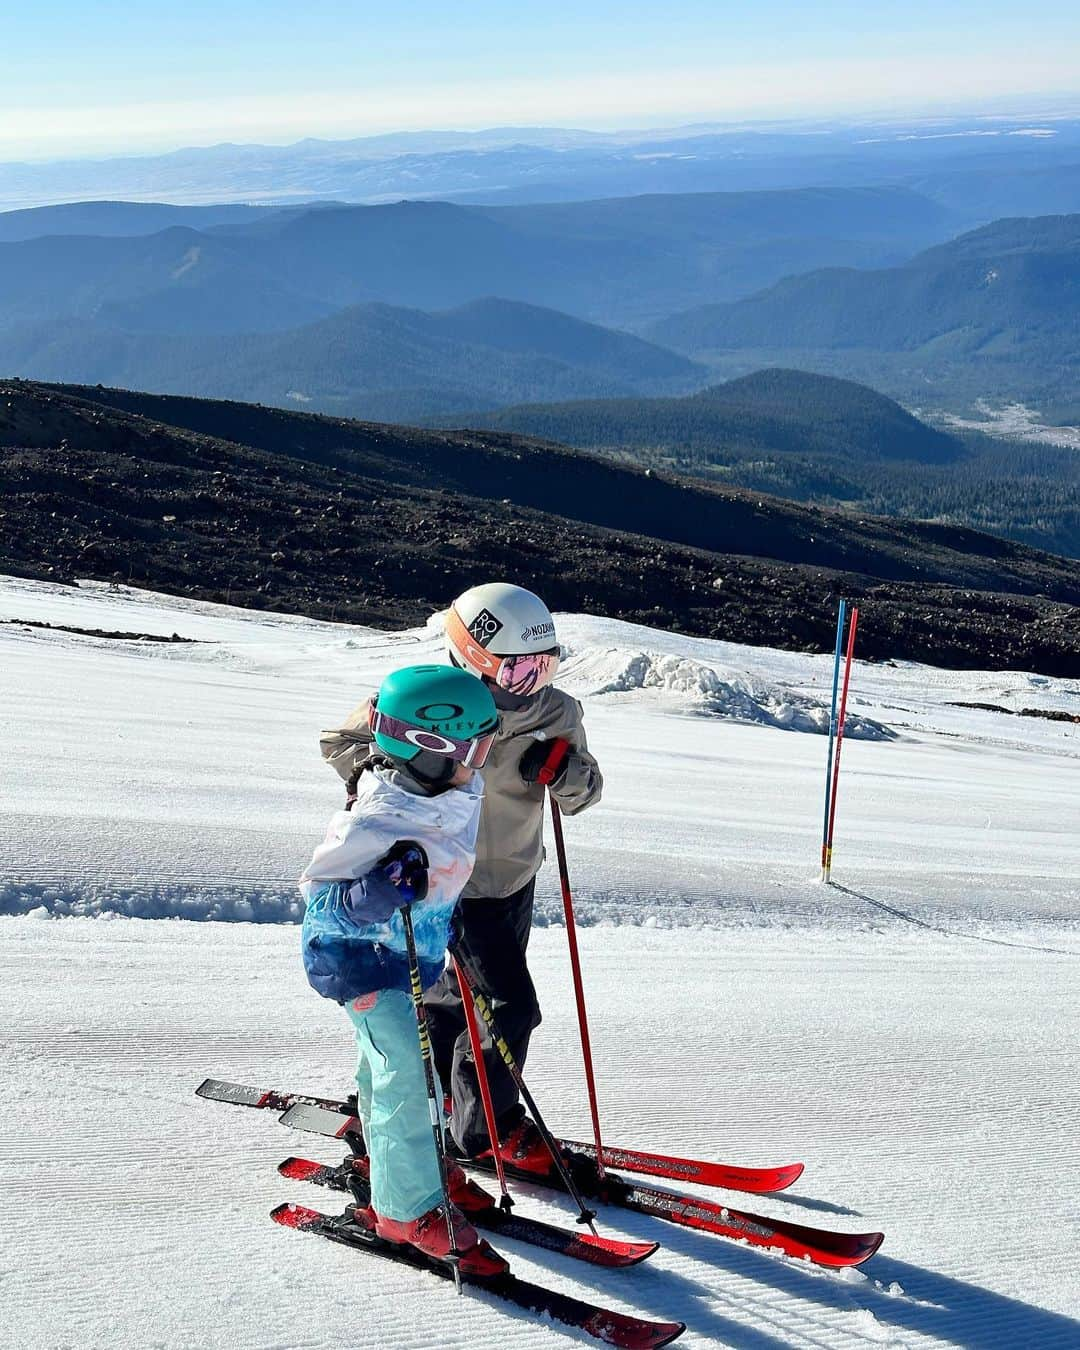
{"x": 524, "y": 1148}
{"x": 428, "y": 1234}
{"x": 465, "y": 1194}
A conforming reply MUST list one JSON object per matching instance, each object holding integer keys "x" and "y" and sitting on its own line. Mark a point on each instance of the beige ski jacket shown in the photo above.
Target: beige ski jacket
{"x": 510, "y": 846}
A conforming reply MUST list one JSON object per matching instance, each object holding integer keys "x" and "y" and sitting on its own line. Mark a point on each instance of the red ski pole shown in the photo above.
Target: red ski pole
{"x": 482, "y": 1079}
{"x": 840, "y": 740}
{"x": 559, "y": 750}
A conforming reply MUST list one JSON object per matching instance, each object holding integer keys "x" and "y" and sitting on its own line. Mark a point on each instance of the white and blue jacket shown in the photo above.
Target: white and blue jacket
{"x": 351, "y": 945}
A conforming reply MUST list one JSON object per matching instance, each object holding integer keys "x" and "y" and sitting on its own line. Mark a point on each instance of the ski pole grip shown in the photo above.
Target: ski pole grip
{"x": 560, "y": 748}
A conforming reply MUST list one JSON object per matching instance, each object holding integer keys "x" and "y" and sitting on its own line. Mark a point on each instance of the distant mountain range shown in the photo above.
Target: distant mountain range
{"x": 389, "y": 312}
{"x": 385, "y": 311}
{"x": 996, "y": 311}
{"x": 111, "y": 219}
{"x": 959, "y": 158}
{"x": 379, "y": 524}
{"x": 619, "y": 262}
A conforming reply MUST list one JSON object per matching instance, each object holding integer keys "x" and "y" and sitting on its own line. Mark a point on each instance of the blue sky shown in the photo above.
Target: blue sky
{"x": 82, "y": 77}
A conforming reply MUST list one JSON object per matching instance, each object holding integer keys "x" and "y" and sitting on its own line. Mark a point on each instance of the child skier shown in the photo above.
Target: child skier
{"x": 505, "y": 635}
{"x": 409, "y": 833}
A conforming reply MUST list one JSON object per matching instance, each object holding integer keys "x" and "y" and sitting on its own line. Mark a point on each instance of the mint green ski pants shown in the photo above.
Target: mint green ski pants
{"x": 392, "y": 1102}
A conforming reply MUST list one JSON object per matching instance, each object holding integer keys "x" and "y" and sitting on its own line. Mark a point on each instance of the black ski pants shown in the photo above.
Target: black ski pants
{"x": 494, "y": 936}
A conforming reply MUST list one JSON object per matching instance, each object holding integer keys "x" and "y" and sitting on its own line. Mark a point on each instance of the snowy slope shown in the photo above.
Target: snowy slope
{"x": 911, "y": 1034}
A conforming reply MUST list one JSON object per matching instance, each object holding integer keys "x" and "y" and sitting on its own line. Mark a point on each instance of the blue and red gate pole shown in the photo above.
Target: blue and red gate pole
{"x": 832, "y": 734}
{"x": 831, "y": 789}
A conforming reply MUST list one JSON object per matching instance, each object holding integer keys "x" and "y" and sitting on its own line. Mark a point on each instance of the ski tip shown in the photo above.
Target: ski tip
{"x": 674, "y": 1331}
{"x": 838, "y": 1250}
{"x": 295, "y": 1216}
{"x": 299, "y": 1169}
{"x": 632, "y": 1333}
{"x": 760, "y": 1180}
{"x": 865, "y": 1244}
{"x": 604, "y": 1251}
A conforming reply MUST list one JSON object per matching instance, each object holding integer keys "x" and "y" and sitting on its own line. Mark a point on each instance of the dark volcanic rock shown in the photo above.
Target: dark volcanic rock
{"x": 380, "y": 525}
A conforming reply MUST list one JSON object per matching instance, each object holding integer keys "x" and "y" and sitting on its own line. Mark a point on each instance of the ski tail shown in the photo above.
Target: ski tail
{"x": 262, "y": 1099}
{"x": 298, "y": 1217}
{"x": 317, "y": 1120}
{"x": 303, "y": 1169}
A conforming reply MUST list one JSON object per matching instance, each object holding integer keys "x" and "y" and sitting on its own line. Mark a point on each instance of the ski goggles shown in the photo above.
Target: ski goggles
{"x": 521, "y": 674}
{"x": 472, "y": 752}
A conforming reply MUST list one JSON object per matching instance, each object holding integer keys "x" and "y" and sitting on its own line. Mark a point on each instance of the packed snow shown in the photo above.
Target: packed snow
{"x": 910, "y": 1033}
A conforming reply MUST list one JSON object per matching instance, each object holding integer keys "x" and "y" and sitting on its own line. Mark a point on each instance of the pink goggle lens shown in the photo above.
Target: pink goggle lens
{"x": 526, "y": 674}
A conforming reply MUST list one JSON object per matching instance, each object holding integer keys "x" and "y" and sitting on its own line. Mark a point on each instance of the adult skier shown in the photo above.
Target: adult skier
{"x": 505, "y": 635}
{"x": 408, "y": 835}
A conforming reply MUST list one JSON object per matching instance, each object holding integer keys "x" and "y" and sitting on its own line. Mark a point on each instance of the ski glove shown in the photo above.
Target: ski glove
{"x": 406, "y": 868}
{"x": 537, "y": 755}
{"x": 398, "y": 878}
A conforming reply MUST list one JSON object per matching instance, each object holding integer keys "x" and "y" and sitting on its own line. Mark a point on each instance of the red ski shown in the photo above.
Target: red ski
{"x": 597, "y": 1251}
{"x": 613, "y": 1328}
{"x": 755, "y": 1180}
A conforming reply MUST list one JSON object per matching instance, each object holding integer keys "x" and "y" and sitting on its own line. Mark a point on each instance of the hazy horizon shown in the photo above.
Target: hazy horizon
{"x": 131, "y": 81}
{"x": 1046, "y": 108}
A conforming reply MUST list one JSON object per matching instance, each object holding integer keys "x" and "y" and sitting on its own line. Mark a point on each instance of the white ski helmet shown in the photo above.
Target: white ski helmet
{"x": 504, "y": 634}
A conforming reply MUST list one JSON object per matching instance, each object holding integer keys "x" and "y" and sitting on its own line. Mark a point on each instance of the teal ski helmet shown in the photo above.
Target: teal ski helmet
{"x": 433, "y": 717}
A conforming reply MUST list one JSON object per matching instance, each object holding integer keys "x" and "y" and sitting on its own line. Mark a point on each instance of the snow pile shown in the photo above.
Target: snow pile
{"x": 145, "y": 898}
{"x": 706, "y": 690}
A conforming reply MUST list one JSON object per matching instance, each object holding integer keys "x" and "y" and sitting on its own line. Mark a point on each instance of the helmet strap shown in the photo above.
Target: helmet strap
{"x": 432, "y": 772}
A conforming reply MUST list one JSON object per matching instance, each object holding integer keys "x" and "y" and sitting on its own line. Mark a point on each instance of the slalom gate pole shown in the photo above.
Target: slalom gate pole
{"x": 840, "y": 740}
{"x": 559, "y": 749}
{"x": 832, "y": 734}
{"x": 417, "y": 990}
{"x": 467, "y": 975}
{"x": 505, "y": 1202}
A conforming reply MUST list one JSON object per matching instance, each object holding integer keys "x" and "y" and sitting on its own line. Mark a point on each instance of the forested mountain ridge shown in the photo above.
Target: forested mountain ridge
{"x": 377, "y": 361}
{"x": 771, "y": 410}
{"x": 996, "y": 311}
{"x": 832, "y": 442}
{"x": 1022, "y": 272}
